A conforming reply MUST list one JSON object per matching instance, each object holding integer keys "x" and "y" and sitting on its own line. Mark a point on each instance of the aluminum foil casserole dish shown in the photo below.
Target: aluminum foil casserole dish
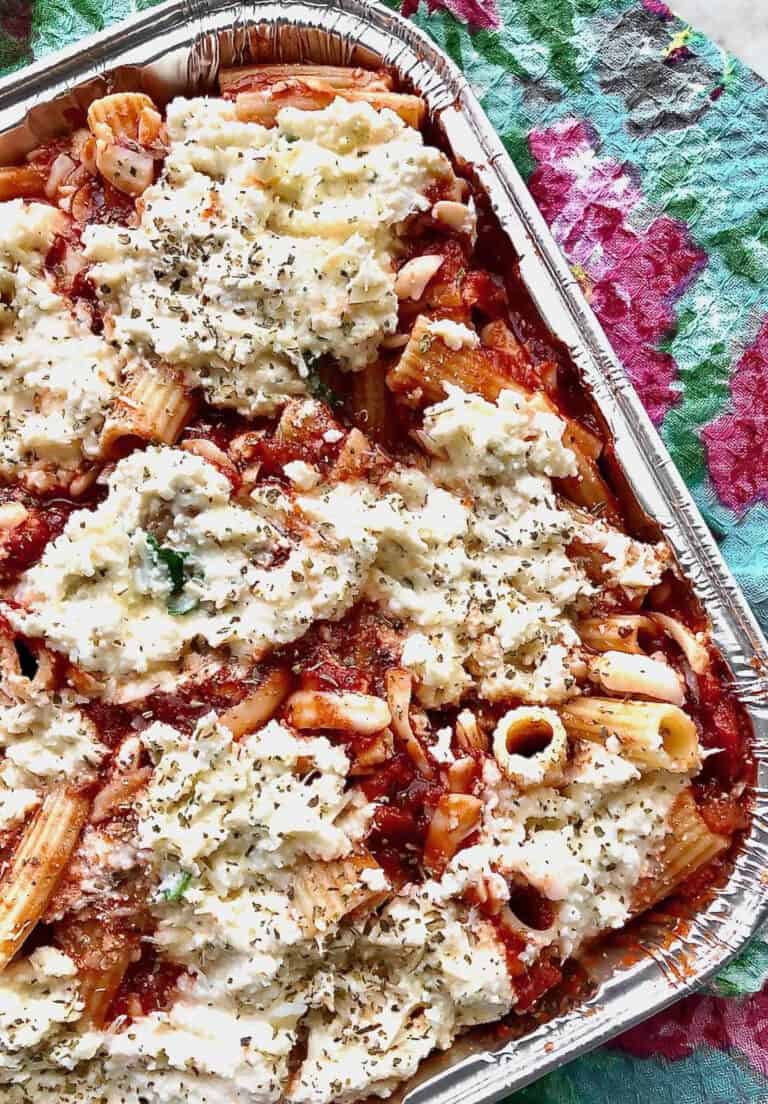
{"x": 377, "y": 714}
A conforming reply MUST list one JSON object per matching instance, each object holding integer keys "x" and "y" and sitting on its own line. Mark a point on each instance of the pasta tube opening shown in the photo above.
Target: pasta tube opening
{"x": 654, "y": 735}
{"x": 530, "y": 745}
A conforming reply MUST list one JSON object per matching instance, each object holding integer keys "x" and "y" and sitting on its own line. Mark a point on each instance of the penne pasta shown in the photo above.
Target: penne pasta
{"x": 427, "y": 364}
{"x": 38, "y": 862}
{"x": 456, "y": 817}
{"x": 355, "y": 459}
{"x": 154, "y": 406}
{"x": 655, "y": 736}
{"x": 413, "y": 277}
{"x": 498, "y": 335}
{"x": 337, "y": 76}
{"x": 22, "y": 182}
{"x": 468, "y": 735}
{"x": 411, "y": 109}
{"x": 616, "y": 633}
{"x": 371, "y": 753}
{"x": 103, "y": 952}
{"x": 258, "y": 707}
{"x": 370, "y": 401}
{"x": 689, "y": 845}
{"x": 347, "y": 712}
{"x": 623, "y": 673}
{"x": 120, "y": 791}
{"x": 587, "y": 488}
{"x": 399, "y": 684}
{"x": 530, "y": 746}
{"x": 261, "y": 105}
{"x": 326, "y": 892}
{"x": 690, "y": 645}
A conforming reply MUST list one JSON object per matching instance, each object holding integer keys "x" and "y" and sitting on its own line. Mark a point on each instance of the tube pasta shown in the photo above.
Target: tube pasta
{"x": 617, "y": 633}
{"x": 587, "y": 488}
{"x": 103, "y": 952}
{"x": 154, "y": 406}
{"x": 498, "y": 335}
{"x": 346, "y": 712}
{"x": 337, "y": 76}
{"x": 326, "y": 892}
{"x": 370, "y": 400}
{"x": 691, "y": 647}
{"x": 461, "y": 774}
{"x": 260, "y": 706}
{"x": 373, "y": 752}
{"x": 468, "y": 734}
{"x": 427, "y": 364}
{"x": 399, "y": 684}
{"x": 98, "y": 988}
{"x": 355, "y": 459}
{"x": 456, "y": 816}
{"x": 261, "y": 105}
{"x": 39, "y": 860}
{"x": 688, "y": 846}
{"x": 622, "y": 673}
{"x": 120, "y": 791}
{"x": 22, "y": 181}
{"x": 412, "y": 279}
{"x": 530, "y": 746}
{"x": 654, "y": 735}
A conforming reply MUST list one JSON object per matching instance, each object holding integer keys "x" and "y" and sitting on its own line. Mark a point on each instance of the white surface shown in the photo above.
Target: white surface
{"x": 740, "y": 26}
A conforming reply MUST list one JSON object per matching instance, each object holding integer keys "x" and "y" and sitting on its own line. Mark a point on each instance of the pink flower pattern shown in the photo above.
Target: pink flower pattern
{"x": 737, "y": 441}
{"x": 704, "y": 1021}
{"x": 480, "y": 14}
{"x": 633, "y": 275}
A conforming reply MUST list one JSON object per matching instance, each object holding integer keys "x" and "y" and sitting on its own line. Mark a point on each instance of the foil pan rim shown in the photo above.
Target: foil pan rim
{"x": 192, "y": 34}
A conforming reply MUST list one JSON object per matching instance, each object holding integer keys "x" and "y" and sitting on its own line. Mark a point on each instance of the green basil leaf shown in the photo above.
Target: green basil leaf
{"x": 179, "y": 889}
{"x": 171, "y": 560}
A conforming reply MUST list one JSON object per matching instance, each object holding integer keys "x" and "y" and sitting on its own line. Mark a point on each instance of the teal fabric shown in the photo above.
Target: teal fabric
{"x": 646, "y": 147}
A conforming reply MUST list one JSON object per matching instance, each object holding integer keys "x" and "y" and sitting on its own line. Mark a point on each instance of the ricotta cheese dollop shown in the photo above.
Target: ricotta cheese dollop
{"x": 57, "y": 378}
{"x": 259, "y": 250}
{"x": 169, "y": 559}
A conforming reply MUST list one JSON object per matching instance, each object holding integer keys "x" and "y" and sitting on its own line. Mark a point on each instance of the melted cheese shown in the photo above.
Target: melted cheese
{"x": 56, "y": 377}
{"x": 260, "y": 250}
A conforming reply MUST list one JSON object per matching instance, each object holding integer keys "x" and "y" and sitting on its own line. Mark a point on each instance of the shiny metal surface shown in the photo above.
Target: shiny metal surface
{"x": 178, "y": 47}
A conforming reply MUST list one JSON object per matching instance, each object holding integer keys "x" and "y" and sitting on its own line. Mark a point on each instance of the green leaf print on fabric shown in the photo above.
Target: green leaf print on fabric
{"x": 56, "y": 23}
{"x": 551, "y": 22}
{"x": 745, "y": 247}
{"x": 746, "y": 974}
{"x": 705, "y": 390}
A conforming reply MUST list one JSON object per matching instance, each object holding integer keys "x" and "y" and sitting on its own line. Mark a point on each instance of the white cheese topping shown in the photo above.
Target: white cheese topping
{"x": 601, "y": 829}
{"x": 455, "y": 335}
{"x": 56, "y": 377}
{"x": 226, "y": 821}
{"x": 168, "y": 559}
{"x": 472, "y": 554}
{"x": 41, "y": 741}
{"x": 38, "y": 997}
{"x": 259, "y": 250}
